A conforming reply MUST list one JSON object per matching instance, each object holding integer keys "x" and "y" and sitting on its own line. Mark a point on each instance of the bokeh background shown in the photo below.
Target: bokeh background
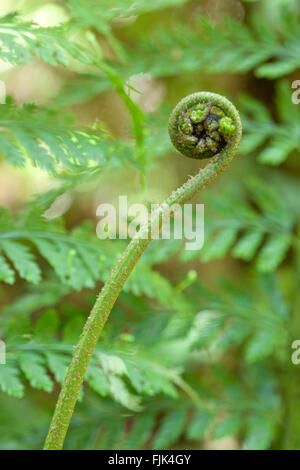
{"x": 197, "y": 351}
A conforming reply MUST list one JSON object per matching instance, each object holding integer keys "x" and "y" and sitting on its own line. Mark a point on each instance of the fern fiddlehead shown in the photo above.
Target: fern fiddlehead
{"x": 202, "y": 125}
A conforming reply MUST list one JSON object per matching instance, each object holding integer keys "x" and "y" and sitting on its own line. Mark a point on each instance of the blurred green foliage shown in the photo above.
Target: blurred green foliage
{"x": 197, "y": 352}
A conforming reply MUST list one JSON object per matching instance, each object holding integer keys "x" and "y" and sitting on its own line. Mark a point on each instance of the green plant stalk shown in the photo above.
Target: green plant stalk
{"x": 120, "y": 273}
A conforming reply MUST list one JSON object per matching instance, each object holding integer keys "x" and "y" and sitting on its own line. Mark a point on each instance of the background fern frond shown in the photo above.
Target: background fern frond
{"x": 197, "y": 353}
{"x": 262, "y": 222}
{"x": 273, "y": 140}
{"x": 32, "y": 134}
{"x": 21, "y": 42}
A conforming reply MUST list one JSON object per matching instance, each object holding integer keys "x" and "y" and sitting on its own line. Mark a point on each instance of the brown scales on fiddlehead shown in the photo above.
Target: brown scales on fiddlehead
{"x": 200, "y": 129}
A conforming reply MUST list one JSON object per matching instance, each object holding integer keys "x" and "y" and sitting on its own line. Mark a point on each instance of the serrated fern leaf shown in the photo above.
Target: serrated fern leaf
{"x": 235, "y": 226}
{"x": 170, "y": 429}
{"x": 34, "y": 370}
{"x": 30, "y": 133}
{"x": 21, "y": 42}
{"x": 10, "y": 382}
{"x": 274, "y": 140}
{"x": 22, "y": 259}
{"x": 75, "y": 260}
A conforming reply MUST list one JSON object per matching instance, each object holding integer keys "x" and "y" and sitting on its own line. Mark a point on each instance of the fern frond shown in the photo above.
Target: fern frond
{"x": 262, "y": 317}
{"x": 75, "y": 260}
{"x": 108, "y": 375}
{"x": 237, "y": 227}
{"x": 129, "y": 375}
{"x": 22, "y": 42}
{"x": 78, "y": 258}
{"x": 230, "y": 46}
{"x": 49, "y": 140}
{"x": 273, "y": 140}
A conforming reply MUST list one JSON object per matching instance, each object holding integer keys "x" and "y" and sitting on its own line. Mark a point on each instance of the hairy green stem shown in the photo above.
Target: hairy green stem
{"x": 120, "y": 273}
